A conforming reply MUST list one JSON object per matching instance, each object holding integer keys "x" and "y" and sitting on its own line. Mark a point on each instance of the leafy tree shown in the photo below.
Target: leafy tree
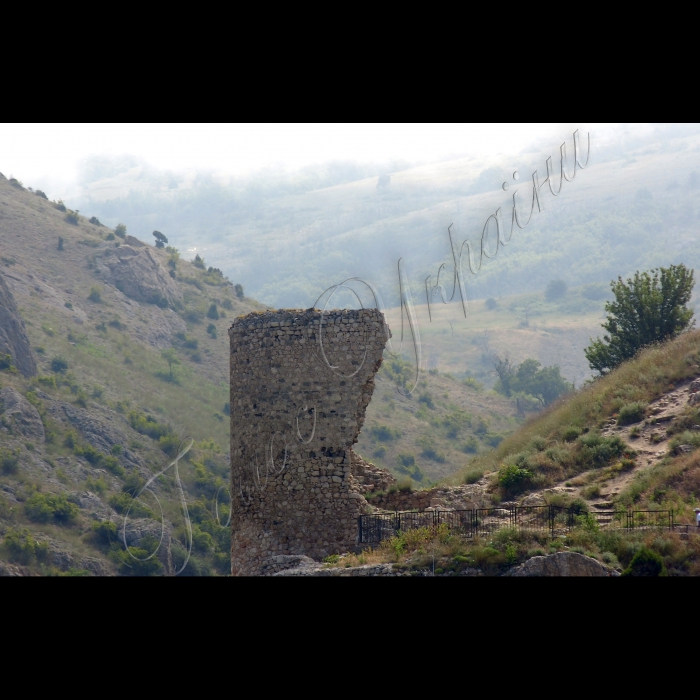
{"x": 555, "y": 290}
{"x": 120, "y": 230}
{"x": 546, "y": 384}
{"x": 213, "y": 312}
{"x": 60, "y": 243}
{"x": 239, "y": 291}
{"x": 646, "y": 563}
{"x": 170, "y": 356}
{"x": 650, "y": 307}
{"x": 58, "y": 364}
{"x": 503, "y": 367}
{"x": 161, "y": 240}
{"x": 491, "y": 303}
{"x": 383, "y": 181}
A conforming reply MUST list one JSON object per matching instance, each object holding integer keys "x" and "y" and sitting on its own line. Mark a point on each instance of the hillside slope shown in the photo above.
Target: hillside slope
{"x": 98, "y": 409}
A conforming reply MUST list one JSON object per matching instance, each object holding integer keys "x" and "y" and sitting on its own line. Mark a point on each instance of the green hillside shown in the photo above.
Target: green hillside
{"x": 120, "y": 382}
{"x": 628, "y": 441}
{"x": 111, "y": 409}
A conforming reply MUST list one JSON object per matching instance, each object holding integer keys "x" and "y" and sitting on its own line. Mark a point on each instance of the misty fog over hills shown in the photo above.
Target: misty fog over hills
{"x": 288, "y": 236}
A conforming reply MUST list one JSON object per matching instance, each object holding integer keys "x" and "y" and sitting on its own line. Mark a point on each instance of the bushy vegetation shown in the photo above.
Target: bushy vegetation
{"x": 9, "y": 460}
{"x": 23, "y": 548}
{"x": 544, "y": 383}
{"x": 650, "y": 307}
{"x": 50, "y": 507}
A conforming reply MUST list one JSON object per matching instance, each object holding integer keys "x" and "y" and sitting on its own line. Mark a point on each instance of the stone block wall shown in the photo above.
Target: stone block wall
{"x": 297, "y": 488}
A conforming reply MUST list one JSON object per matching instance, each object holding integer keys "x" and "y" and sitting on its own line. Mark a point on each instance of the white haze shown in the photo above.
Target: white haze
{"x": 48, "y": 156}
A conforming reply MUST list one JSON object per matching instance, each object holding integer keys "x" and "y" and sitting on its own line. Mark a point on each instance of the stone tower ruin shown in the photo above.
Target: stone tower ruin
{"x": 300, "y": 384}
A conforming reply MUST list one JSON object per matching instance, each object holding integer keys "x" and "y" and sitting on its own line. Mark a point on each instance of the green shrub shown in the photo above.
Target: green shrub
{"x": 136, "y": 562}
{"x": 60, "y": 243}
{"x": 120, "y": 230}
{"x": 427, "y": 399}
{"x": 631, "y": 413}
{"x": 405, "y": 485}
{"x": 471, "y": 445}
{"x": 147, "y": 425}
{"x": 213, "y": 312}
{"x": 473, "y": 384}
{"x": 59, "y": 365}
{"x": 9, "y": 459}
{"x": 406, "y": 459}
{"x": 6, "y": 363}
{"x": 493, "y": 439}
{"x": 597, "y": 451}
{"x": 44, "y": 507}
{"x": 95, "y": 295}
{"x": 687, "y": 437}
{"x": 104, "y": 532}
{"x": 96, "y": 222}
{"x": 194, "y": 316}
{"x": 40, "y": 193}
{"x": 72, "y": 218}
{"x": 384, "y": 433}
{"x": 429, "y": 450}
{"x": 473, "y": 475}
{"x": 60, "y": 205}
{"x": 98, "y": 486}
{"x": 646, "y": 563}
{"x": 514, "y": 479}
{"x": 239, "y": 291}
{"x": 571, "y": 433}
{"x": 169, "y": 444}
{"x": 23, "y": 548}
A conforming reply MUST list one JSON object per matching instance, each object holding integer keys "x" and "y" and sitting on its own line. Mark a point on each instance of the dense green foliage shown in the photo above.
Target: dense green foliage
{"x": 544, "y": 383}
{"x": 650, "y": 307}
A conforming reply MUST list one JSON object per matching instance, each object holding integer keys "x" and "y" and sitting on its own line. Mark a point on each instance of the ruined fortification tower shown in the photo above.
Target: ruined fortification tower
{"x": 293, "y": 423}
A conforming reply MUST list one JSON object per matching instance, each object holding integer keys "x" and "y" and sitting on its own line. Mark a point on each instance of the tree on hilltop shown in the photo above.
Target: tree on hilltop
{"x": 648, "y": 308}
{"x": 161, "y": 240}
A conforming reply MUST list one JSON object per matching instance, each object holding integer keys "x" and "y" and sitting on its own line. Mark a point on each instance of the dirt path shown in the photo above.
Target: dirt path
{"x": 600, "y": 487}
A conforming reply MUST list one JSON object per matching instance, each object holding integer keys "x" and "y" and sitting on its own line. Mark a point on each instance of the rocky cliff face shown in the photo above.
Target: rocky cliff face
{"x": 13, "y": 335}
{"x": 19, "y": 416}
{"x": 138, "y": 275}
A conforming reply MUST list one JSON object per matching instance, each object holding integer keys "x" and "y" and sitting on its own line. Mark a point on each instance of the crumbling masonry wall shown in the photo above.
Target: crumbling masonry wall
{"x": 296, "y": 486}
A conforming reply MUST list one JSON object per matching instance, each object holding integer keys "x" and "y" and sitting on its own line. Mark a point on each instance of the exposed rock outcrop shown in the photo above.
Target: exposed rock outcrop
{"x": 19, "y": 416}
{"x": 98, "y": 432}
{"x": 562, "y": 564}
{"x": 13, "y": 335}
{"x": 138, "y": 274}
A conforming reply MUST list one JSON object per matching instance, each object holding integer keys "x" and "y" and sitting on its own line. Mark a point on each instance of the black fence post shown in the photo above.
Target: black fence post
{"x": 551, "y": 520}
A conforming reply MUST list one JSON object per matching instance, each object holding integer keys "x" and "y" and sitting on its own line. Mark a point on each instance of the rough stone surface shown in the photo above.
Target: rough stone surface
{"x": 284, "y": 394}
{"x": 13, "y": 335}
{"x": 19, "y": 416}
{"x": 99, "y": 432}
{"x": 562, "y": 564}
{"x": 138, "y": 274}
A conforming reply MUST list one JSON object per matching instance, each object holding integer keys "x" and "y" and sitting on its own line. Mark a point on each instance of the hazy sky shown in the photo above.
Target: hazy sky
{"x": 50, "y": 153}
